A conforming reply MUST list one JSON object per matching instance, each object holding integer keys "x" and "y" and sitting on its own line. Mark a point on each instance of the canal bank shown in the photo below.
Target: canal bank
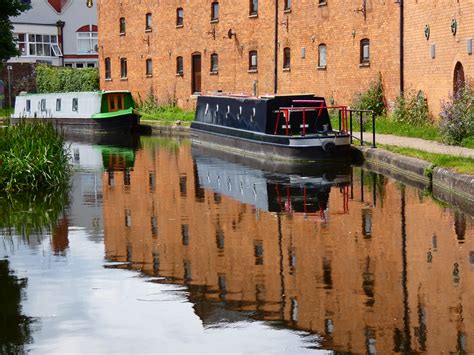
{"x": 442, "y": 183}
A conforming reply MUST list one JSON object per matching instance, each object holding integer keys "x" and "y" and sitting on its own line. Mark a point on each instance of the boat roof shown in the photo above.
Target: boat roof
{"x": 252, "y": 97}
{"x": 99, "y": 92}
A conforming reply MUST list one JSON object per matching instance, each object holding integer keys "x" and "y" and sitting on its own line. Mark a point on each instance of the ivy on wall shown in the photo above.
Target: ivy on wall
{"x": 59, "y": 79}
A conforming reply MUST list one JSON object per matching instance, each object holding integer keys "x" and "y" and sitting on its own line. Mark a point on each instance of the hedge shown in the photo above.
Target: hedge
{"x": 58, "y": 79}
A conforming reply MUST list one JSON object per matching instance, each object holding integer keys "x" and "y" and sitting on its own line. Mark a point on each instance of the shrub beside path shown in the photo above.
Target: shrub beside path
{"x": 417, "y": 143}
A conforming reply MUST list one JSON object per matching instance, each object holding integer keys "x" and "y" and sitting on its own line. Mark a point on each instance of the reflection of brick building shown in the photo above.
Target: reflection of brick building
{"x": 334, "y": 48}
{"x": 364, "y": 280}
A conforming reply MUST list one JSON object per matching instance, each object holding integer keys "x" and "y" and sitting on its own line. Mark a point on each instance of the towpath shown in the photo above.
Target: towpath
{"x": 417, "y": 143}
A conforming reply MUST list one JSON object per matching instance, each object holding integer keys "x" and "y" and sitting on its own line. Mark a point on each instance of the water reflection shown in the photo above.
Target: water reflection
{"x": 14, "y": 325}
{"x": 367, "y": 263}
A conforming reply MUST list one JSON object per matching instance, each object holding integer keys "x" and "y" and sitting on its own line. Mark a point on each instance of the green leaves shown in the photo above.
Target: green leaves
{"x": 58, "y": 79}
{"x": 372, "y": 99}
{"x": 33, "y": 158}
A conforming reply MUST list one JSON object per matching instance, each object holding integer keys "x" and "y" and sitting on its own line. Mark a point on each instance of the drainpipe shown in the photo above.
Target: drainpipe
{"x": 275, "y": 84}
{"x": 402, "y": 48}
{"x": 60, "y": 25}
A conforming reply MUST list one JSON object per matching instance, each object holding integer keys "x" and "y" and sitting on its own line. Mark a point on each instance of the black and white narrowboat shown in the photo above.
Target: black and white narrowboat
{"x": 291, "y": 127}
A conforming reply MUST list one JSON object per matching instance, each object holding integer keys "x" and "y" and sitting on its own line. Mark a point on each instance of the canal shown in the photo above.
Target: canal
{"x": 162, "y": 246}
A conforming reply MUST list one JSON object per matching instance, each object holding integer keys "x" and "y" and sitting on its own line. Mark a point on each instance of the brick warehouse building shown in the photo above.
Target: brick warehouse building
{"x": 332, "y": 48}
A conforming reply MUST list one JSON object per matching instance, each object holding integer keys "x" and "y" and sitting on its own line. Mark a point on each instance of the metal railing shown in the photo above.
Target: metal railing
{"x": 359, "y": 114}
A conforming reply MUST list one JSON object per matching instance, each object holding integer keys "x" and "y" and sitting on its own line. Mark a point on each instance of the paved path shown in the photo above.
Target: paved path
{"x": 417, "y": 143}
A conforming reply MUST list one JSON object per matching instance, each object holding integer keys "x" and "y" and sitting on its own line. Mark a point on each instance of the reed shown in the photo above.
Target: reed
{"x": 32, "y": 158}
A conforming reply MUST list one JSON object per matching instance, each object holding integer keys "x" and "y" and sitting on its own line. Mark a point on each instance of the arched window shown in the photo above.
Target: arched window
{"x": 322, "y": 56}
{"x": 253, "y": 60}
{"x": 287, "y": 5}
{"x": 214, "y": 63}
{"x": 459, "y": 79}
{"x": 123, "y": 68}
{"x": 365, "y": 51}
{"x": 179, "y": 16}
{"x": 215, "y": 11}
{"x": 122, "y": 25}
{"x": 179, "y": 65}
{"x": 148, "y": 22}
{"x": 149, "y": 67}
{"x": 87, "y": 39}
{"x": 108, "y": 69}
{"x": 286, "y": 58}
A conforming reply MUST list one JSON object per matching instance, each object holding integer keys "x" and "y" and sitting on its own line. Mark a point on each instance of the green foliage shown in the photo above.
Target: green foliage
{"x": 8, "y": 9}
{"x": 412, "y": 109}
{"x": 59, "y": 79}
{"x": 372, "y": 99}
{"x": 151, "y": 109}
{"x": 32, "y": 158}
{"x": 457, "y": 116}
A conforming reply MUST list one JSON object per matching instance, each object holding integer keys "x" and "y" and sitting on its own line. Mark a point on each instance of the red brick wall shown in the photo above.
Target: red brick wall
{"x": 337, "y": 24}
{"x": 435, "y": 76}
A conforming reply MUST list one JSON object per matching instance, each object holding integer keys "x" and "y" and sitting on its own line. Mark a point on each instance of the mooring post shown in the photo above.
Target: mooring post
{"x": 361, "y": 128}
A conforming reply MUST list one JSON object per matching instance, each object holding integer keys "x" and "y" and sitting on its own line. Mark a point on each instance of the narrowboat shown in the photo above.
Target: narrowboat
{"x": 281, "y": 127}
{"x": 100, "y": 111}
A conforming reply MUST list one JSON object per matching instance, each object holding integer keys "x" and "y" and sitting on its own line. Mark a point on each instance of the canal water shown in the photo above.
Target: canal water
{"x": 161, "y": 246}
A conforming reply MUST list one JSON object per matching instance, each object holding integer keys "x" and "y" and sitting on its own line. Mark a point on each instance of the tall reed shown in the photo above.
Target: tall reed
{"x": 32, "y": 158}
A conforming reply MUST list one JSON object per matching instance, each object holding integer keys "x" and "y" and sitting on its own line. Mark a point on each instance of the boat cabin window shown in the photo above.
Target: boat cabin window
{"x": 28, "y": 105}
{"x": 43, "y": 105}
{"x": 75, "y": 104}
{"x": 116, "y": 102}
{"x": 58, "y": 104}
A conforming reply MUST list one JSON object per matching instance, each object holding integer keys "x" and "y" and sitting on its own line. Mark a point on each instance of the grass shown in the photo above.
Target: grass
{"x": 385, "y": 125}
{"x": 6, "y": 112}
{"x": 167, "y": 114}
{"x": 32, "y": 158}
{"x": 459, "y": 164}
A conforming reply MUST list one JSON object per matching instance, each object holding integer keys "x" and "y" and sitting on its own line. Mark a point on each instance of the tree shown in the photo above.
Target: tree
{"x": 8, "y": 9}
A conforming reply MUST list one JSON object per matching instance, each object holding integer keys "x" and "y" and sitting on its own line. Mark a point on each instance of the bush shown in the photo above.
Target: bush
{"x": 373, "y": 99}
{"x": 412, "y": 108}
{"x": 150, "y": 108}
{"x": 457, "y": 116}
{"x": 32, "y": 158}
{"x": 58, "y": 79}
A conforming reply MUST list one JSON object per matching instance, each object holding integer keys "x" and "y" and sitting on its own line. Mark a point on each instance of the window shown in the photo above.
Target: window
{"x": 28, "y": 105}
{"x": 122, "y": 25}
{"x": 322, "y": 56}
{"x": 179, "y": 17}
{"x": 214, "y": 63}
{"x": 253, "y": 11}
{"x": 79, "y": 65}
{"x": 43, "y": 105}
{"x": 75, "y": 104}
{"x": 179, "y": 66}
{"x": 286, "y": 58}
{"x": 287, "y": 5}
{"x": 148, "y": 22}
{"x": 87, "y": 42}
{"x": 253, "y": 61}
{"x": 215, "y": 11}
{"x": 108, "y": 69}
{"x": 123, "y": 68}
{"x": 364, "y": 51}
{"x": 91, "y": 65}
{"x": 41, "y": 45}
{"x": 58, "y": 104}
{"x": 149, "y": 67}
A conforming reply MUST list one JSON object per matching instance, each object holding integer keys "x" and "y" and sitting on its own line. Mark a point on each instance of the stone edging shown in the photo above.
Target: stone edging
{"x": 445, "y": 185}
{"x": 155, "y": 128}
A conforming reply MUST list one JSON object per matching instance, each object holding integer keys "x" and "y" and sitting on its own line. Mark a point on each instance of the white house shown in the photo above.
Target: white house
{"x": 58, "y": 32}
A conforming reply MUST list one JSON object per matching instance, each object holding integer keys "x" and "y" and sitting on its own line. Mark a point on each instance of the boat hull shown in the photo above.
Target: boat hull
{"x": 119, "y": 124}
{"x": 310, "y": 148}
